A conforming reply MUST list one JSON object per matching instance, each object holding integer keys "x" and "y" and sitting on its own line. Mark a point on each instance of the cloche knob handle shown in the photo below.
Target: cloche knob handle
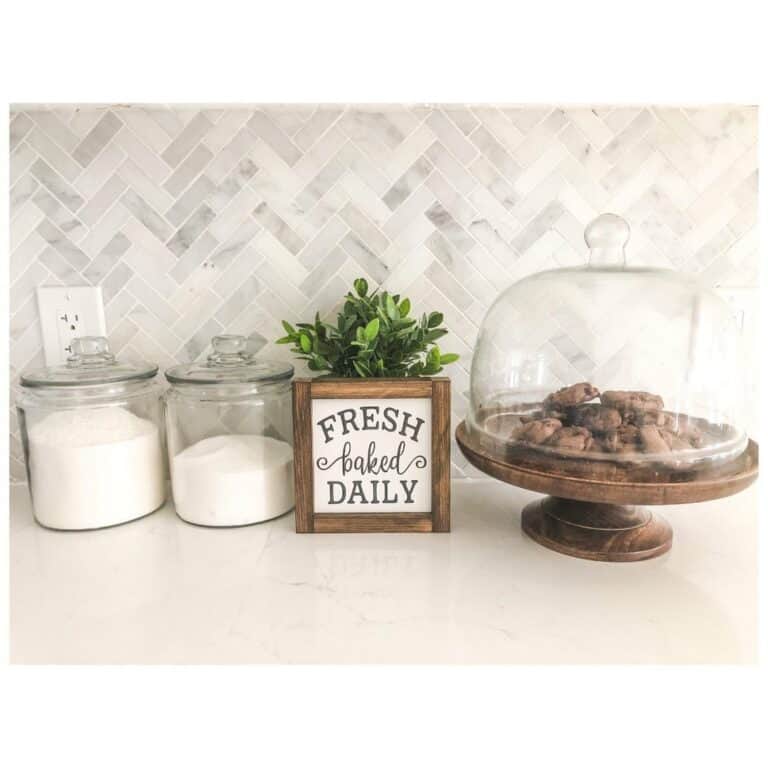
{"x": 607, "y": 237}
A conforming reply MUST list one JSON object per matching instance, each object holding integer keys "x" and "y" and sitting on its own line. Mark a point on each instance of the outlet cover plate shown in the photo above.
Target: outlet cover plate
{"x": 66, "y": 312}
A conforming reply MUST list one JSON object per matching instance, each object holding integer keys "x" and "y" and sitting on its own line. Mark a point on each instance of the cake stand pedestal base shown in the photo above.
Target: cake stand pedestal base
{"x": 596, "y": 531}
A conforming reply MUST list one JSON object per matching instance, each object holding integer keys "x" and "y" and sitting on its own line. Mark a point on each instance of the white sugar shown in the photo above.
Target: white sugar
{"x": 233, "y": 480}
{"x": 93, "y": 467}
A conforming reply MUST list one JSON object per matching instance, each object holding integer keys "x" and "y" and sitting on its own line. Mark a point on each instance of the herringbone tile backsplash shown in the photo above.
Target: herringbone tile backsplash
{"x": 203, "y": 220}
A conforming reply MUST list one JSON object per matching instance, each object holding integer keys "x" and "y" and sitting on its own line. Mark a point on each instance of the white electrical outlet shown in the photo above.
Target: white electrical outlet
{"x": 65, "y": 313}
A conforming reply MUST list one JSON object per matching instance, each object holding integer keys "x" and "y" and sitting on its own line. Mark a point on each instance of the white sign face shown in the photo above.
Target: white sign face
{"x": 372, "y": 455}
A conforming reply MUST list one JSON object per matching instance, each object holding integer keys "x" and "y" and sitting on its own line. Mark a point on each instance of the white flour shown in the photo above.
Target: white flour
{"x": 233, "y": 480}
{"x": 94, "y": 467}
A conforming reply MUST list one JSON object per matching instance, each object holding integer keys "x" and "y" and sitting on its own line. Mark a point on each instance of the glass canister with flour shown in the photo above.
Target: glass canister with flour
{"x": 229, "y": 428}
{"x": 92, "y": 431}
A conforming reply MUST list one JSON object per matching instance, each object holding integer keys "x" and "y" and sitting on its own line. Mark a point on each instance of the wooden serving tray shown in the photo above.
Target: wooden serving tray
{"x": 584, "y": 516}
{"x": 613, "y": 482}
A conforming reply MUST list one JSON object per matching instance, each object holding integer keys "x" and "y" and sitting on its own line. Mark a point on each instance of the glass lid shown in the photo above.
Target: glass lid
{"x": 229, "y": 363}
{"x": 90, "y": 362}
{"x": 609, "y": 362}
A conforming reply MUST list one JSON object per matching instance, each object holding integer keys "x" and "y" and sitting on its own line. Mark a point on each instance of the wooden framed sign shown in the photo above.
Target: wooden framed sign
{"x": 372, "y": 455}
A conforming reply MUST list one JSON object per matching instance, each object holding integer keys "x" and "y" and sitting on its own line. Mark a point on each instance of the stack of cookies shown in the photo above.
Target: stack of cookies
{"x": 621, "y": 422}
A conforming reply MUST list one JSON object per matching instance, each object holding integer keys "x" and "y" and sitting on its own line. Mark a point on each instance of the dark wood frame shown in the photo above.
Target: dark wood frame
{"x": 438, "y": 389}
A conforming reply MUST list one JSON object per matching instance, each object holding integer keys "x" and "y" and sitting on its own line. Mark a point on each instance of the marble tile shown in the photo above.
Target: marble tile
{"x": 62, "y": 244}
{"x": 102, "y": 200}
{"x": 51, "y": 124}
{"x": 53, "y": 154}
{"x": 272, "y": 222}
{"x": 325, "y": 240}
{"x": 320, "y": 121}
{"x": 238, "y": 301}
{"x": 55, "y": 263}
{"x": 150, "y": 163}
{"x": 19, "y": 127}
{"x": 96, "y": 139}
{"x": 265, "y": 129}
{"x": 200, "y": 250}
{"x": 25, "y": 316}
{"x": 447, "y": 284}
{"x": 228, "y": 188}
{"x": 234, "y": 244}
{"x": 56, "y": 185}
{"x": 115, "y": 281}
{"x": 188, "y": 170}
{"x": 192, "y": 228}
{"x": 411, "y": 179}
{"x": 20, "y": 192}
{"x": 449, "y": 227}
{"x": 25, "y": 254}
{"x": 191, "y": 135}
{"x": 200, "y": 341}
{"x": 364, "y": 227}
{"x": 495, "y": 152}
{"x": 366, "y": 259}
{"x": 20, "y": 161}
{"x": 107, "y": 258}
{"x": 451, "y": 137}
{"x": 152, "y": 220}
{"x": 60, "y": 216}
{"x": 143, "y": 185}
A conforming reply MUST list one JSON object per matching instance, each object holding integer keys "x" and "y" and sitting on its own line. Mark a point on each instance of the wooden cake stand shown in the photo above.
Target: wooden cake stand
{"x": 591, "y": 512}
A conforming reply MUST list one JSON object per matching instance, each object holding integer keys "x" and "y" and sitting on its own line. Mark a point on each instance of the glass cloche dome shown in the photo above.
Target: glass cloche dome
{"x": 609, "y": 362}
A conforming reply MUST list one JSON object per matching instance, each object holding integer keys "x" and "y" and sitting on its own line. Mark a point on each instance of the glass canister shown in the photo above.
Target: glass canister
{"x": 230, "y": 437}
{"x": 92, "y": 431}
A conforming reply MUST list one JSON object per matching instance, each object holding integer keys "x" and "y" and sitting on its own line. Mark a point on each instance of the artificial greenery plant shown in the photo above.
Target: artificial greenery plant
{"x": 373, "y": 336}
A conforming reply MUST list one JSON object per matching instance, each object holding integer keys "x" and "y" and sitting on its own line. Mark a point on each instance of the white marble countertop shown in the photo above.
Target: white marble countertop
{"x": 161, "y": 591}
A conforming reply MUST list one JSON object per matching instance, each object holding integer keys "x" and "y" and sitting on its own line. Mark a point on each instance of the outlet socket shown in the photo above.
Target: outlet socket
{"x": 65, "y": 313}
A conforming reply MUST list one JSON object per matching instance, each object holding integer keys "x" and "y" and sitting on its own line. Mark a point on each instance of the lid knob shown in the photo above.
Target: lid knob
{"x": 607, "y": 237}
{"x": 90, "y": 350}
{"x": 229, "y": 349}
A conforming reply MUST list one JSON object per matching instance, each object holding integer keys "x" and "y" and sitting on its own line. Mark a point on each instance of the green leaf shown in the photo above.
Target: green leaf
{"x": 433, "y": 356}
{"x": 391, "y": 308}
{"x": 405, "y": 307}
{"x": 451, "y": 357}
{"x": 361, "y": 286}
{"x": 285, "y": 340}
{"x": 372, "y": 329}
{"x": 362, "y": 369}
{"x": 289, "y": 329}
{"x": 438, "y": 333}
{"x": 318, "y": 363}
{"x": 305, "y": 342}
{"x": 435, "y": 318}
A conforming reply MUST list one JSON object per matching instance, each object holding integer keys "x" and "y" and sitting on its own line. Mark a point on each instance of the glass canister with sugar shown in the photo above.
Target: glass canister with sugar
{"x": 230, "y": 436}
{"x": 92, "y": 431}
